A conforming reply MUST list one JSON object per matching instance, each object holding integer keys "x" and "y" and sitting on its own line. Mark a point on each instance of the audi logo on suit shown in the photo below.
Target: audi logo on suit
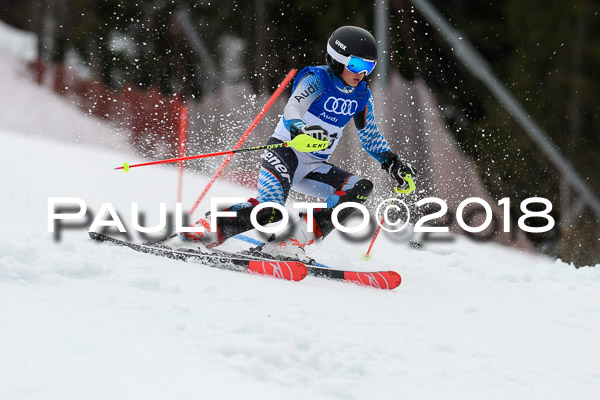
{"x": 341, "y": 106}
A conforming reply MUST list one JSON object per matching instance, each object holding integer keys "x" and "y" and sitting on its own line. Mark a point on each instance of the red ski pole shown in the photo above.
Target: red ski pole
{"x": 411, "y": 187}
{"x": 367, "y": 255}
{"x": 303, "y": 143}
{"x": 182, "y": 132}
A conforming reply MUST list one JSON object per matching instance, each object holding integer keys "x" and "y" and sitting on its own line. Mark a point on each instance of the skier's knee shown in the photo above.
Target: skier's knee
{"x": 269, "y": 215}
{"x": 362, "y": 189}
{"x": 242, "y": 222}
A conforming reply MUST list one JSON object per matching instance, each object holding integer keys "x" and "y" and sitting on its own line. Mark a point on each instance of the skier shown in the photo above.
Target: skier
{"x": 324, "y": 99}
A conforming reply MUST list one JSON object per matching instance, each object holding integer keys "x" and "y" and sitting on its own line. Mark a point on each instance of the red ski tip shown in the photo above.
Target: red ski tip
{"x": 381, "y": 280}
{"x": 288, "y": 270}
{"x": 395, "y": 278}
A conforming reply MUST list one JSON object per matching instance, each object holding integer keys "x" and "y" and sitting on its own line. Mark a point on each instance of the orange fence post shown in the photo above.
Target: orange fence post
{"x": 182, "y": 138}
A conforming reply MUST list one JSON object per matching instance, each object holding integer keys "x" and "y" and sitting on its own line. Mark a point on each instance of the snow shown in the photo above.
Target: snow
{"x": 28, "y": 109}
{"x": 85, "y": 320}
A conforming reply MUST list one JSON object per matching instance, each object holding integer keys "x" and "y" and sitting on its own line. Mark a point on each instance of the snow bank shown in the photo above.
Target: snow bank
{"x": 28, "y": 108}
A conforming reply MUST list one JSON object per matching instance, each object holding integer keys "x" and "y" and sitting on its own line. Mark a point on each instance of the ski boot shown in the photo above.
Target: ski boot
{"x": 196, "y": 240}
{"x": 290, "y": 246}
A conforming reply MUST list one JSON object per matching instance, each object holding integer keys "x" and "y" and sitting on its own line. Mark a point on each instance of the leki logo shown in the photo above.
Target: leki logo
{"x": 341, "y": 106}
{"x": 317, "y": 145}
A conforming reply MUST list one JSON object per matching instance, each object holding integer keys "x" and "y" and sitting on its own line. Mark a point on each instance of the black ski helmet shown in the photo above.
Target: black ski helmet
{"x": 350, "y": 41}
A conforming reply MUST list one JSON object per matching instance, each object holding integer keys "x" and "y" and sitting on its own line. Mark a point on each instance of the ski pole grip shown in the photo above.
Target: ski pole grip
{"x": 411, "y": 185}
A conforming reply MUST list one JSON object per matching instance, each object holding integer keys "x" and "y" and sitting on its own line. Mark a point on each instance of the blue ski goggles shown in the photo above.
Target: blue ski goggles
{"x": 353, "y": 64}
{"x": 358, "y": 65}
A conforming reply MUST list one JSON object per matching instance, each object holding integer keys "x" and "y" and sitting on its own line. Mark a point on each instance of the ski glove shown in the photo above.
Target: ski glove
{"x": 311, "y": 130}
{"x": 398, "y": 169}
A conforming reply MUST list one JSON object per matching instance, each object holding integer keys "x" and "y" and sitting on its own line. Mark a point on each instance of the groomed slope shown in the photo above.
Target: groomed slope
{"x": 93, "y": 321}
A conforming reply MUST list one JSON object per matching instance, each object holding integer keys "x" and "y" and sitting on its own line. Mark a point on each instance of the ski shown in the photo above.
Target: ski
{"x": 379, "y": 279}
{"x": 260, "y": 263}
{"x": 287, "y": 270}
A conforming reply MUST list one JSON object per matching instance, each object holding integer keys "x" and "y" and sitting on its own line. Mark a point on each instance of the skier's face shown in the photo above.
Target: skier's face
{"x": 351, "y": 78}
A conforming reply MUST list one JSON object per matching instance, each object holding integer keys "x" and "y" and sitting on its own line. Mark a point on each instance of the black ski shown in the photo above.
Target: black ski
{"x": 288, "y": 270}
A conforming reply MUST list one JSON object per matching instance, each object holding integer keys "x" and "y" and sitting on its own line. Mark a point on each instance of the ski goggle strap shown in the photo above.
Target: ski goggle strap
{"x": 352, "y": 63}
